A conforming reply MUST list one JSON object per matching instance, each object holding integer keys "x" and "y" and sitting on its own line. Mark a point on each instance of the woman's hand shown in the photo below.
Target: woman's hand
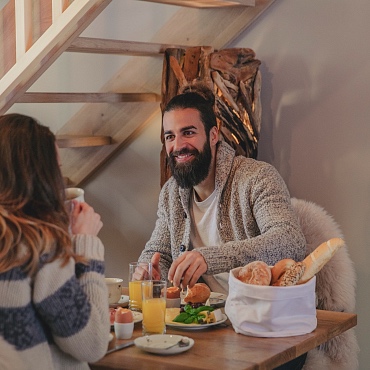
{"x": 84, "y": 220}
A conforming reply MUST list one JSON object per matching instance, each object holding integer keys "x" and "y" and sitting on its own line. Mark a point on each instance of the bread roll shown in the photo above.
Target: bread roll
{"x": 173, "y": 292}
{"x": 257, "y": 273}
{"x": 279, "y": 268}
{"x": 199, "y": 293}
{"x": 315, "y": 261}
{"x": 291, "y": 275}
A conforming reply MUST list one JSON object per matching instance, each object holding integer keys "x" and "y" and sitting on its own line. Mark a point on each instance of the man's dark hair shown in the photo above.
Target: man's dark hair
{"x": 197, "y": 96}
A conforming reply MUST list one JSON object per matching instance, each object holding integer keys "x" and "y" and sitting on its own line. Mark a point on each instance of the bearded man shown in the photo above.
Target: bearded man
{"x": 218, "y": 211}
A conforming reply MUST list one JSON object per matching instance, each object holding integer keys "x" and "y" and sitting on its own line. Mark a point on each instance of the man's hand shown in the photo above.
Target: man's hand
{"x": 156, "y": 270}
{"x": 187, "y": 269}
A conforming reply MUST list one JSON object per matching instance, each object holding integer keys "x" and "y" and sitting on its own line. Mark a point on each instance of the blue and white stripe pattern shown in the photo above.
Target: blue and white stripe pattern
{"x": 63, "y": 307}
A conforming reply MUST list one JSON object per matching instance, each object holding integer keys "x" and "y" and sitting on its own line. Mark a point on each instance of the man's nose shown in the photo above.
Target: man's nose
{"x": 178, "y": 143}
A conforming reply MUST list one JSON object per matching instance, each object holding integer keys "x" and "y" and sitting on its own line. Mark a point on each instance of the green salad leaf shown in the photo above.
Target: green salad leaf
{"x": 192, "y": 315}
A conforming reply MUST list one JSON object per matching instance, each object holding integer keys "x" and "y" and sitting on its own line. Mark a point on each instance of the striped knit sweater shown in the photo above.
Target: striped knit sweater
{"x": 255, "y": 218}
{"x": 59, "y": 319}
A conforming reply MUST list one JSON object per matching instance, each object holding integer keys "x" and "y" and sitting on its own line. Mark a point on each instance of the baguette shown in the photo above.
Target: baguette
{"x": 315, "y": 261}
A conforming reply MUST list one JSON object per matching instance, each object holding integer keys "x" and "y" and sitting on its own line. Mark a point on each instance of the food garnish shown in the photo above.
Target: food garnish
{"x": 192, "y": 315}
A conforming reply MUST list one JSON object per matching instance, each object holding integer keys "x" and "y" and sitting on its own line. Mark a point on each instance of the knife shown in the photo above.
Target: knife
{"x": 120, "y": 346}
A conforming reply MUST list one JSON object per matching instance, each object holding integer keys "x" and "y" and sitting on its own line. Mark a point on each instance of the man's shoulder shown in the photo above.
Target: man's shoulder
{"x": 226, "y": 150}
{"x": 251, "y": 164}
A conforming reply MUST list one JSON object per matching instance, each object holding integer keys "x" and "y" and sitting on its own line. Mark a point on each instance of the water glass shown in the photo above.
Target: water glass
{"x": 154, "y": 306}
{"x": 138, "y": 271}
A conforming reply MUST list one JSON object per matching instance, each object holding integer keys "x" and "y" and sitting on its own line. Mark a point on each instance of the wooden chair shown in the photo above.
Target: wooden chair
{"x": 335, "y": 287}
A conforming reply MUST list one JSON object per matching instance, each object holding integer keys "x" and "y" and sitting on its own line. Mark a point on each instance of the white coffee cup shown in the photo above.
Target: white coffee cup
{"x": 75, "y": 193}
{"x": 114, "y": 289}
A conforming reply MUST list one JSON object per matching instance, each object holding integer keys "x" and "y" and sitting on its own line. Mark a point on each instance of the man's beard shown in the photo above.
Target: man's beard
{"x": 191, "y": 173}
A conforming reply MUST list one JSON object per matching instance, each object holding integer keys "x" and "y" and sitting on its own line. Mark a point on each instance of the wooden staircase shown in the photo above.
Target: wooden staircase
{"x": 34, "y": 33}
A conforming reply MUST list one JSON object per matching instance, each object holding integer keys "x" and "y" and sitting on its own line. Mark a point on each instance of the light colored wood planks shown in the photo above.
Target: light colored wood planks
{"x": 206, "y": 3}
{"x": 34, "y": 97}
{"x": 78, "y": 141}
{"x": 104, "y": 46}
{"x": 23, "y": 24}
{"x": 7, "y": 44}
{"x": 47, "y": 49}
{"x": 189, "y": 26}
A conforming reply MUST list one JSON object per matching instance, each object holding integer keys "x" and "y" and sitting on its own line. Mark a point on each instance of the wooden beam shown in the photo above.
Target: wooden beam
{"x": 46, "y": 97}
{"x": 78, "y": 141}
{"x": 206, "y": 3}
{"x": 104, "y": 46}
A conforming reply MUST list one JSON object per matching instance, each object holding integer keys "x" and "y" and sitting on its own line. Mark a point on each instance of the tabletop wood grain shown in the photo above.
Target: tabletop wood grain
{"x": 219, "y": 347}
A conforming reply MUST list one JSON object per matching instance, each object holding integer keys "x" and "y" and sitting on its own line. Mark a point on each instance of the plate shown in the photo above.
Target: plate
{"x": 180, "y": 325}
{"x": 215, "y": 299}
{"x": 158, "y": 343}
{"x": 123, "y": 302}
{"x": 138, "y": 316}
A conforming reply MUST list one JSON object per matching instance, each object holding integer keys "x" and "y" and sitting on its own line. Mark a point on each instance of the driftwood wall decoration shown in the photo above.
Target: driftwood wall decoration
{"x": 234, "y": 76}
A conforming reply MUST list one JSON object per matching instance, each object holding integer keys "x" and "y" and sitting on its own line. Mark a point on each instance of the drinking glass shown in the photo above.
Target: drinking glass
{"x": 154, "y": 306}
{"x": 138, "y": 271}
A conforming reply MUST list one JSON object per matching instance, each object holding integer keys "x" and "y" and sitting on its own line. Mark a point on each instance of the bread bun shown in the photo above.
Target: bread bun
{"x": 279, "y": 268}
{"x": 315, "y": 261}
{"x": 173, "y": 292}
{"x": 257, "y": 273}
{"x": 199, "y": 293}
{"x": 287, "y": 272}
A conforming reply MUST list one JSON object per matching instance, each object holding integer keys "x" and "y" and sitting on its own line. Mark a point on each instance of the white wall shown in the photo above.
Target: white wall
{"x": 316, "y": 77}
{"x": 315, "y": 130}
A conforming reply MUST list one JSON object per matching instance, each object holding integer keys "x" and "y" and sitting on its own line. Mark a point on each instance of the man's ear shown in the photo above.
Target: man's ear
{"x": 213, "y": 136}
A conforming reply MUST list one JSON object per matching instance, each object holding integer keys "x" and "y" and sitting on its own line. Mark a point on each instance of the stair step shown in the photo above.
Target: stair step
{"x": 78, "y": 141}
{"x": 119, "y": 47}
{"x": 49, "y": 97}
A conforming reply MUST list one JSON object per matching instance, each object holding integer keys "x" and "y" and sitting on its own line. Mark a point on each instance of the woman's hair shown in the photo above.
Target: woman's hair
{"x": 33, "y": 219}
{"x": 197, "y": 96}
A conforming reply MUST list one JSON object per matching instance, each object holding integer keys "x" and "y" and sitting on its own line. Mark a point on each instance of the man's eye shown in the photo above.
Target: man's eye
{"x": 188, "y": 133}
{"x": 168, "y": 137}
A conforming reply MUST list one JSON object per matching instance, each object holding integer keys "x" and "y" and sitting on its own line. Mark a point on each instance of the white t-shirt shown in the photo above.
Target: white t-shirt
{"x": 204, "y": 232}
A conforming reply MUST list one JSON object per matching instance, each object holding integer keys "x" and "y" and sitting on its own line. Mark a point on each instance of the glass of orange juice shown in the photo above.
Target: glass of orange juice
{"x": 138, "y": 271}
{"x": 154, "y": 306}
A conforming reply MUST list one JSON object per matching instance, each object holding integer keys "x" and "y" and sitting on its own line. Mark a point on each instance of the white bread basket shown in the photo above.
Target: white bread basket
{"x": 271, "y": 311}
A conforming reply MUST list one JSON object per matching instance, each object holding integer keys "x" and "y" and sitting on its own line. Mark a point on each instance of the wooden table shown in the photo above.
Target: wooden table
{"x": 219, "y": 347}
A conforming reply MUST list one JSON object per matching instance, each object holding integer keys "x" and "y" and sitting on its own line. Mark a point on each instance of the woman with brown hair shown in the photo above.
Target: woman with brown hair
{"x": 53, "y": 297}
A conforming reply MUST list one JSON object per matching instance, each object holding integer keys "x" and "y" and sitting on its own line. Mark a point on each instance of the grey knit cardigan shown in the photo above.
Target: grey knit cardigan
{"x": 255, "y": 218}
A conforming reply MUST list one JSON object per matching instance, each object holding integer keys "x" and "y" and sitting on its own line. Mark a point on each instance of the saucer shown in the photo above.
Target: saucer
{"x": 162, "y": 344}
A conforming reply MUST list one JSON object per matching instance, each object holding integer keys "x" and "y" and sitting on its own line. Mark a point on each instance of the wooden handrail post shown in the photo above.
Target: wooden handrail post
{"x": 23, "y": 27}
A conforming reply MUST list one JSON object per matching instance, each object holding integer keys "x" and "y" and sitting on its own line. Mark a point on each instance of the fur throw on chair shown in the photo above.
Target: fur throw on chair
{"x": 335, "y": 288}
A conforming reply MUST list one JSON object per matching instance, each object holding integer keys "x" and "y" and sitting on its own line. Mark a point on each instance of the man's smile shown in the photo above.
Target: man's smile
{"x": 184, "y": 157}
